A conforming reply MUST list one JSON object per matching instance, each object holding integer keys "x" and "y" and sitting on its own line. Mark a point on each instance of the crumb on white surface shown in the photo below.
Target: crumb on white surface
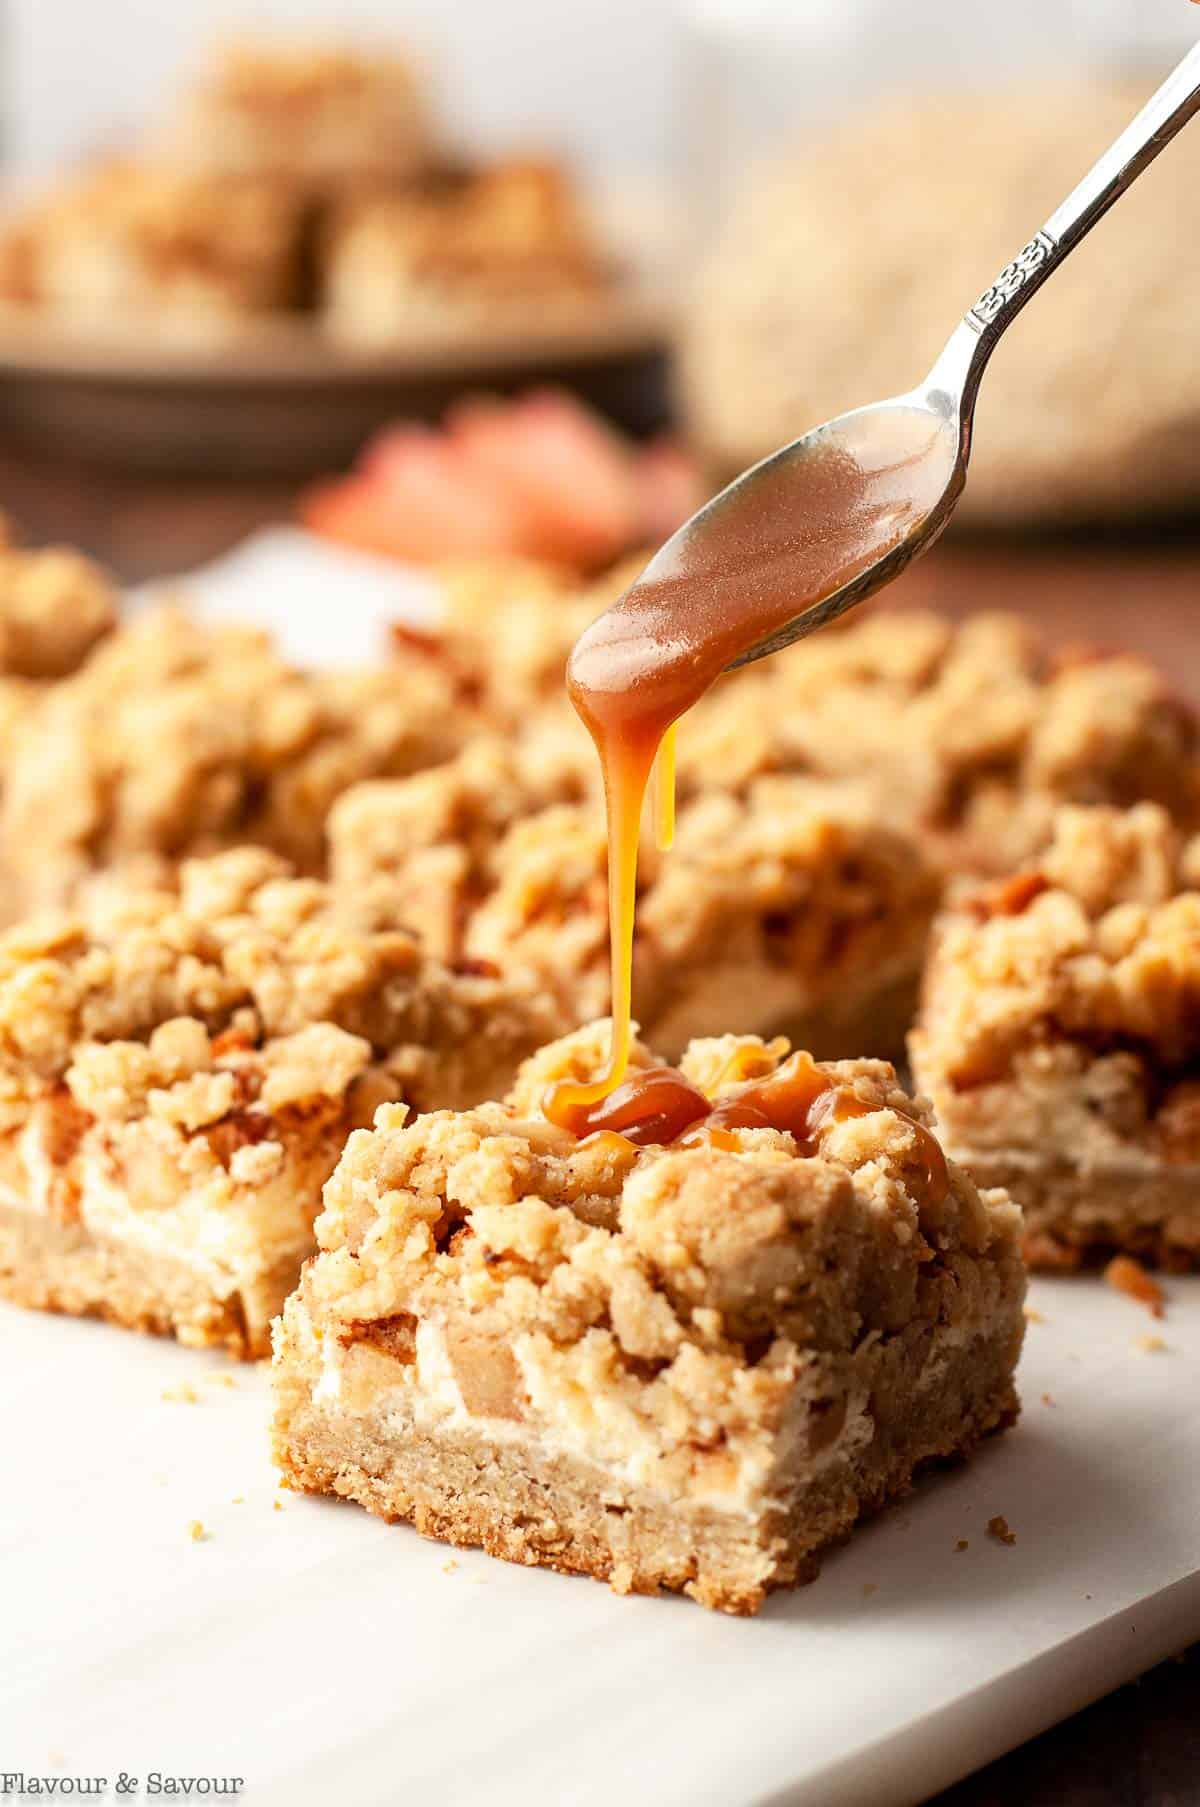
{"x": 1128, "y": 1276}
{"x": 1151, "y": 1344}
{"x": 961, "y": 1545}
{"x": 999, "y": 1528}
{"x": 184, "y": 1394}
{"x": 196, "y": 1530}
{"x": 1033, "y": 1316}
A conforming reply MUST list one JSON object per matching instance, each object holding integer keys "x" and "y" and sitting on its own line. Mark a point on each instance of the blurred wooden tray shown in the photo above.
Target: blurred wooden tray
{"x": 283, "y": 397}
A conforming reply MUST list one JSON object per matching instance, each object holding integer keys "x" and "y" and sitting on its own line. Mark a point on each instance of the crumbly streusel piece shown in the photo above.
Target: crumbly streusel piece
{"x": 180, "y": 1065}
{"x": 680, "y": 1367}
{"x": 512, "y": 235}
{"x": 1059, "y": 1037}
{"x": 814, "y": 223}
{"x": 140, "y": 244}
{"x": 320, "y": 116}
{"x": 794, "y": 907}
{"x": 177, "y": 738}
{"x": 55, "y": 605}
{"x": 974, "y": 732}
{"x": 507, "y": 628}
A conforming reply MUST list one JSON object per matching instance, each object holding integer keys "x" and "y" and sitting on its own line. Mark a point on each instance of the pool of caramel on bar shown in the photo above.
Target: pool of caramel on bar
{"x": 758, "y": 557}
{"x": 660, "y": 1107}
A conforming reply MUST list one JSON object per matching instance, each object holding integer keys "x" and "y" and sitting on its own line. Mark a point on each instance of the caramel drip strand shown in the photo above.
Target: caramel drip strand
{"x": 627, "y": 768}
{"x": 664, "y": 792}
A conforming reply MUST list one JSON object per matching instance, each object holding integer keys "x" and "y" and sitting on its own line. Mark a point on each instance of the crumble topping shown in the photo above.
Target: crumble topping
{"x": 176, "y": 738}
{"x": 798, "y": 874}
{"x": 543, "y": 610}
{"x": 253, "y": 955}
{"x": 680, "y": 1256}
{"x": 1060, "y": 1022}
{"x": 1106, "y": 951}
{"x": 311, "y": 113}
{"x": 972, "y": 732}
{"x": 55, "y": 604}
{"x": 510, "y": 232}
{"x": 140, "y": 236}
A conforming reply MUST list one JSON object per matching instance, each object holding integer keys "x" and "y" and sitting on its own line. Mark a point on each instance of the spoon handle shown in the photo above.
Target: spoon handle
{"x": 1168, "y": 110}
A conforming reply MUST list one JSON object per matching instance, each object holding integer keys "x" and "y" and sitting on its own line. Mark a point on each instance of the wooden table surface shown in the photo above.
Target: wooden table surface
{"x": 1141, "y": 1747}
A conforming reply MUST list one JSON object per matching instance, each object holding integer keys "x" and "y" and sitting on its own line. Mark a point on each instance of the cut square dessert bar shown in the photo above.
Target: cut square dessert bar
{"x": 178, "y": 738}
{"x": 131, "y": 246}
{"x": 180, "y": 1065}
{"x": 792, "y": 907}
{"x": 689, "y": 1367}
{"x": 314, "y": 116}
{"x": 512, "y": 235}
{"x": 1059, "y": 1038}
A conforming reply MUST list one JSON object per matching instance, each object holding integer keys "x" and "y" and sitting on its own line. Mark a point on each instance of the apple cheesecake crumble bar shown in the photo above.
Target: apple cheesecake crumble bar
{"x": 972, "y": 734}
{"x": 181, "y": 1061}
{"x": 1059, "y": 1038}
{"x": 132, "y": 242}
{"x": 974, "y": 731}
{"x": 508, "y": 236}
{"x": 55, "y": 605}
{"x": 689, "y": 1367}
{"x": 319, "y": 117}
{"x": 178, "y": 738}
{"x": 790, "y": 907}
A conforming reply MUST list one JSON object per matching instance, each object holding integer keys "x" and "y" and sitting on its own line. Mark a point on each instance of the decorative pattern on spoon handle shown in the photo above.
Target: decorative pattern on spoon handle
{"x": 1011, "y": 280}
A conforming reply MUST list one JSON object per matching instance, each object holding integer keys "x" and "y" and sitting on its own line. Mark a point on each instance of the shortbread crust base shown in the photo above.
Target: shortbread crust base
{"x": 517, "y": 1500}
{"x": 1075, "y": 1216}
{"x": 67, "y": 1268}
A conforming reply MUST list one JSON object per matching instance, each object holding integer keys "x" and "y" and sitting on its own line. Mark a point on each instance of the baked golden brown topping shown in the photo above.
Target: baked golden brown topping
{"x": 1104, "y": 953}
{"x": 55, "y": 605}
{"x": 322, "y": 116}
{"x": 249, "y": 953}
{"x": 176, "y": 738}
{"x": 143, "y": 238}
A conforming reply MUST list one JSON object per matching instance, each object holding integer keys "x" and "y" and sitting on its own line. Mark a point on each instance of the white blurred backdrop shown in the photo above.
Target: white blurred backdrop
{"x": 650, "y": 86}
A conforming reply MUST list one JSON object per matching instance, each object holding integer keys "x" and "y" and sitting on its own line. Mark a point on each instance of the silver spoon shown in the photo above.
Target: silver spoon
{"x": 747, "y": 515}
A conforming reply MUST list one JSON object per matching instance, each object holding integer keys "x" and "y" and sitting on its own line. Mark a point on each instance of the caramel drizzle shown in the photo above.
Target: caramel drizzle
{"x": 755, "y": 558}
{"x": 658, "y": 1106}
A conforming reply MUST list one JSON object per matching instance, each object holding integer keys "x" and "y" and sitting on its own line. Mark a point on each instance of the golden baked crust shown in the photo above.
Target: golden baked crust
{"x": 679, "y": 1342}
{"x": 319, "y": 115}
{"x": 1059, "y": 1035}
{"x": 512, "y": 235}
{"x": 133, "y": 241}
{"x": 176, "y": 738}
{"x": 180, "y": 1063}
